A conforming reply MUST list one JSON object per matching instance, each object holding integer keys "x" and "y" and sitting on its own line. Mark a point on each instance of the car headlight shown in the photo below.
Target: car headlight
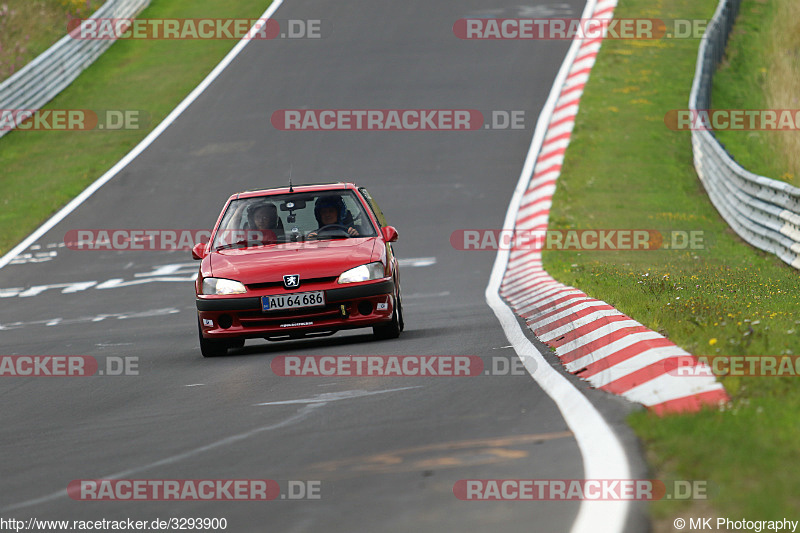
{"x": 222, "y": 286}
{"x": 363, "y": 273}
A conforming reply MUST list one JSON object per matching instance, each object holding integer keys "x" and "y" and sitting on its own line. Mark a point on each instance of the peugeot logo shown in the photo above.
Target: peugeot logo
{"x": 291, "y": 281}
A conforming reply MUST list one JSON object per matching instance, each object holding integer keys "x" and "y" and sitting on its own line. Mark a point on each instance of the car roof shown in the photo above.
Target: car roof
{"x": 315, "y": 187}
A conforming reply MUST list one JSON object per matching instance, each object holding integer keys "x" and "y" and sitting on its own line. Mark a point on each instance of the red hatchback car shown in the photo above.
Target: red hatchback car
{"x": 297, "y": 262}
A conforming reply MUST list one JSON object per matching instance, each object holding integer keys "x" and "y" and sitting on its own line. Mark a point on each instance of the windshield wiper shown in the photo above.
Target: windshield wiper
{"x": 238, "y": 243}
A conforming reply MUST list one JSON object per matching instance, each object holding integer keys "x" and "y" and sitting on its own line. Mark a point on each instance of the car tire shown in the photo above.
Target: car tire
{"x": 400, "y": 312}
{"x": 392, "y": 329}
{"x": 211, "y": 348}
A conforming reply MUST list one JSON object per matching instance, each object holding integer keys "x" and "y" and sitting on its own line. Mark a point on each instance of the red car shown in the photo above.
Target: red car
{"x": 297, "y": 262}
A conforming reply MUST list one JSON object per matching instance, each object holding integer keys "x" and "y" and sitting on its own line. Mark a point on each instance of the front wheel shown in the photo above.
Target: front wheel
{"x": 211, "y": 348}
{"x": 392, "y": 329}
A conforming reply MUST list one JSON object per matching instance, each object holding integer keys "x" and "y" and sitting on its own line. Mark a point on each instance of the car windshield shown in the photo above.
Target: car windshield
{"x": 293, "y": 218}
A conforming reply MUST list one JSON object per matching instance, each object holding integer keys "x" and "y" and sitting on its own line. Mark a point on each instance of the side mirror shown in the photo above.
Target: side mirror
{"x": 389, "y": 233}
{"x": 199, "y": 250}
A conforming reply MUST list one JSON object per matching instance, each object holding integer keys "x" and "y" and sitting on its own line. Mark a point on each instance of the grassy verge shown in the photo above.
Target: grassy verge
{"x": 761, "y": 71}
{"x": 783, "y": 82}
{"x": 43, "y": 170}
{"x": 626, "y": 169}
{"x": 29, "y": 27}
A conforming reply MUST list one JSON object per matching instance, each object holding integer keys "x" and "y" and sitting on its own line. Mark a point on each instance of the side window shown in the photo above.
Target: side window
{"x": 374, "y": 206}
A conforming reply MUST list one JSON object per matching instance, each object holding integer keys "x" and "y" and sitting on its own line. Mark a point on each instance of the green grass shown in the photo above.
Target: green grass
{"x": 29, "y": 27}
{"x": 43, "y": 170}
{"x": 740, "y": 84}
{"x": 626, "y": 169}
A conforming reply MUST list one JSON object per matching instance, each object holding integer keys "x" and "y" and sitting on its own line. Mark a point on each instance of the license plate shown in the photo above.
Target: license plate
{"x": 295, "y": 300}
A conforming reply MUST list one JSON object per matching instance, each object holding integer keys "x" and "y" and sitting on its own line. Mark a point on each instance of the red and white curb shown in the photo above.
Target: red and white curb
{"x": 593, "y": 340}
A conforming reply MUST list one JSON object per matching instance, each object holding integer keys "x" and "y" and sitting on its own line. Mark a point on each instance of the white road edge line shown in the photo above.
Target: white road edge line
{"x": 603, "y": 455}
{"x": 139, "y": 148}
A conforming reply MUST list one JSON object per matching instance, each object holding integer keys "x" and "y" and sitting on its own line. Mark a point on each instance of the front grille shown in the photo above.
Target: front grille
{"x": 279, "y": 284}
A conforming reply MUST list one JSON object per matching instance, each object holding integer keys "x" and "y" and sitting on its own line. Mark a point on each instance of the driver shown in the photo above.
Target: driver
{"x": 331, "y": 211}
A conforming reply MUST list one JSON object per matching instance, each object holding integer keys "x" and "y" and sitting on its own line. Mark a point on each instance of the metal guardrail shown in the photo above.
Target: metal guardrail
{"x": 762, "y": 211}
{"x": 42, "y": 79}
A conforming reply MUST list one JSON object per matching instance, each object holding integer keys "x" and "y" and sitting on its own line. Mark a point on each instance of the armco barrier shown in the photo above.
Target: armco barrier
{"x": 762, "y": 211}
{"x": 42, "y": 79}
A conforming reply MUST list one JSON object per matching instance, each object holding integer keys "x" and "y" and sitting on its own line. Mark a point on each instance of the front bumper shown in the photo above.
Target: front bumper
{"x": 357, "y": 306}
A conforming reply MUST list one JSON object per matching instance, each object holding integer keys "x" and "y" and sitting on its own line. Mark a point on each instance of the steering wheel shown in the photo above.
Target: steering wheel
{"x": 330, "y": 226}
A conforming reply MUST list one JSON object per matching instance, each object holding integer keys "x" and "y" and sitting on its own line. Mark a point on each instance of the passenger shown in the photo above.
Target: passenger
{"x": 262, "y": 222}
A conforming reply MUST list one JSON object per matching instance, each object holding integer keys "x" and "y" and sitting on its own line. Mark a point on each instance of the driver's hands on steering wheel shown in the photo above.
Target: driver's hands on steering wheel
{"x": 353, "y": 232}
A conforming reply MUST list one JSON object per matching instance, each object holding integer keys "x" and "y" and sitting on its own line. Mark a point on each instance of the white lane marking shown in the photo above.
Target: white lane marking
{"x": 176, "y": 272}
{"x": 112, "y": 344}
{"x": 78, "y": 286}
{"x": 425, "y": 295}
{"x": 297, "y": 417}
{"x": 603, "y": 455}
{"x": 139, "y": 148}
{"x": 195, "y": 385}
{"x": 38, "y": 257}
{"x": 66, "y": 288}
{"x": 88, "y": 319}
{"x": 169, "y": 270}
{"x": 417, "y": 262}
{"x": 120, "y": 283}
{"x": 170, "y": 273}
{"x": 336, "y": 396}
{"x": 541, "y": 11}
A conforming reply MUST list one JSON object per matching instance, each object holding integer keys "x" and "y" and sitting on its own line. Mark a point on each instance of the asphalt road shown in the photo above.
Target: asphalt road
{"x": 386, "y": 451}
